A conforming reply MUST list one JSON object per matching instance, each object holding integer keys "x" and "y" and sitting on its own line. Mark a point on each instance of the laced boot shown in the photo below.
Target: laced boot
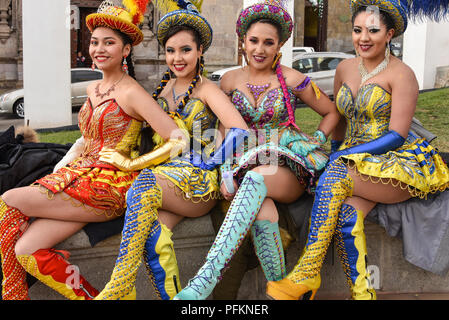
{"x": 334, "y": 186}
{"x": 14, "y": 285}
{"x": 160, "y": 262}
{"x": 351, "y": 246}
{"x": 241, "y": 215}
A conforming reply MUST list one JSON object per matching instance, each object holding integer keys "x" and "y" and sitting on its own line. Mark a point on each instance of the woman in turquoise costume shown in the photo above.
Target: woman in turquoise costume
{"x": 181, "y": 186}
{"x": 285, "y": 161}
{"x": 375, "y": 158}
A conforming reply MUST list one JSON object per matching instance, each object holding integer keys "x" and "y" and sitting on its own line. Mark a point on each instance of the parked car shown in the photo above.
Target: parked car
{"x": 320, "y": 67}
{"x": 13, "y": 101}
{"x": 298, "y": 50}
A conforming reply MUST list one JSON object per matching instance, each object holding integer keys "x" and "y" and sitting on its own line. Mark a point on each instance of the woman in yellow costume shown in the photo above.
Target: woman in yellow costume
{"x": 185, "y": 186}
{"x": 85, "y": 189}
{"x": 375, "y": 158}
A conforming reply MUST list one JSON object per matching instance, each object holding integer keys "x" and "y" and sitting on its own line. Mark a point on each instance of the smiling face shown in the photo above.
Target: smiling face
{"x": 370, "y": 35}
{"x": 261, "y": 45}
{"x": 107, "y": 49}
{"x": 182, "y": 54}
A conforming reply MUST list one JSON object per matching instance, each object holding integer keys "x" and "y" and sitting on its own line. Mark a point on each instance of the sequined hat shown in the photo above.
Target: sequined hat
{"x": 183, "y": 13}
{"x": 269, "y": 9}
{"x": 124, "y": 17}
{"x": 401, "y": 10}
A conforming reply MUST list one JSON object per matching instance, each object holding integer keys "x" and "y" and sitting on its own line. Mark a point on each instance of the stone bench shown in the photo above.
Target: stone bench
{"x": 393, "y": 276}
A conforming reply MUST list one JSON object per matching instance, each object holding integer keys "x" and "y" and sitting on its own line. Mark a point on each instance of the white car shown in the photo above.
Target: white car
{"x": 319, "y": 66}
{"x": 216, "y": 75}
{"x": 13, "y": 102}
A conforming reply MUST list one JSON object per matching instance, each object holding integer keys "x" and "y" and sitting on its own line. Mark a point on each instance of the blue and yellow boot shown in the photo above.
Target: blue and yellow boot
{"x": 239, "y": 218}
{"x": 143, "y": 200}
{"x": 351, "y": 246}
{"x": 269, "y": 250}
{"x": 334, "y": 186}
{"x": 160, "y": 262}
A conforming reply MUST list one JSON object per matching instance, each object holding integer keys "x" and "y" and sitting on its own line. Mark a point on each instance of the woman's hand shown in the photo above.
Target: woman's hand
{"x": 116, "y": 158}
{"x": 228, "y": 196}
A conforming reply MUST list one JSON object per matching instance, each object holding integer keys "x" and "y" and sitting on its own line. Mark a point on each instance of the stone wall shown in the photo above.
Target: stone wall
{"x": 393, "y": 276}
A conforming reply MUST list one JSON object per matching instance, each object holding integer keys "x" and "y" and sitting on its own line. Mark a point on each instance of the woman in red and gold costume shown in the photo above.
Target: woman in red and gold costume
{"x": 85, "y": 189}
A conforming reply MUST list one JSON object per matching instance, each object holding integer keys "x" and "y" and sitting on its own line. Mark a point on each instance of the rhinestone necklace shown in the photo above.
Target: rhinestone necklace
{"x": 368, "y": 75}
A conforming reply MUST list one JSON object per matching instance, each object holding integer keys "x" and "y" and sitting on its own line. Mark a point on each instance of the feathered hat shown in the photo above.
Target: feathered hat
{"x": 400, "y": 10}
{"x": 274, "y": 10}
{"x": 125, "y": 17}
{"x": 183, "y": 13}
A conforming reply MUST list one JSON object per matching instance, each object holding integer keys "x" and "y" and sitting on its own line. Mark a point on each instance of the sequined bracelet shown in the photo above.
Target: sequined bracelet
{"x": 320, "y": 136}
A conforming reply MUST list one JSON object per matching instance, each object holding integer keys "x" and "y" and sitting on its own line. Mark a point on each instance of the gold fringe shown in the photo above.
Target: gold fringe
{"x": 414, "y": 192}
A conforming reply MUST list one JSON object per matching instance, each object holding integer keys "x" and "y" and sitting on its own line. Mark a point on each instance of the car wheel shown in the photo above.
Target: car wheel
{"x": 19, "y": 108}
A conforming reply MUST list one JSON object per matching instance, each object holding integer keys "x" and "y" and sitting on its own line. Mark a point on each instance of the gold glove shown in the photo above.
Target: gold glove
{"x": 173, "y": 147}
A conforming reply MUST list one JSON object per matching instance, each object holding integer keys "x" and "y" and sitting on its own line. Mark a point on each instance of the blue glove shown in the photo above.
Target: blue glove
{"x": 390, "y": 141}
{"x": 232, "y": 141}
{"x": 335, "y": 144}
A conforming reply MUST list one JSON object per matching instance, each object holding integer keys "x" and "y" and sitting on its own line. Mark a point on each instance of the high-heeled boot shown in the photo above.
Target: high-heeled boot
{"x": 334, "y": 186}
{"x": 239, "y": 218}
{"x": 143, "y": 199}
{"x": 160, "y": 262}
{"x": 268, "y": 246}
{"x": 351, "y": 246}
{"x": 51, "y": 267}
{"x": 14, "y": 283}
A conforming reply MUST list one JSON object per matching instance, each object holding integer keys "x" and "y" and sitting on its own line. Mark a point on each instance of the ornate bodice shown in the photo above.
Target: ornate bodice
{"x": 367, "y": 114}
{"x": 270, "y": 112}
{"x": 199, "y": 119}
{"x": 106, "y": 125}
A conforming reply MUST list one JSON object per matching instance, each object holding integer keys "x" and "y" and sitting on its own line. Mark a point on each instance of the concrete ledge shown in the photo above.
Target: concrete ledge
{"x": 395, "y": 277}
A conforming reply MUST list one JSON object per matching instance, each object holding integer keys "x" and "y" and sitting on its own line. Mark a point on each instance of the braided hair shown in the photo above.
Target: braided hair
{"x": 167, "y": 75}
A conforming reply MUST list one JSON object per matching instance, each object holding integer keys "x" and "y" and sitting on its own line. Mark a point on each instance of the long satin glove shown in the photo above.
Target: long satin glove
{"x": 234, "y": 138}
{"x": 160, "y": 262}
{"x": 171, "y": 148}
{"x": 390, "y": 141}
{"x": 269, "y": 250}
{"x": 14, "y": 284}
{"x": 73, "y": 153}
{"x": 143, "y": 200}
{"x": 51, "y": 268}
{"x": 351, "y": 246}
{"x": 239, "y": 218}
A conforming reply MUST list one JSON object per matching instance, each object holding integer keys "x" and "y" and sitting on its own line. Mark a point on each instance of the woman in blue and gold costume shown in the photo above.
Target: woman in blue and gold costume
{"x": 283, "y": 163}
{"x": 184, "y": 186}
{"x": 375, "y": 158}
{"x": 84, "y": 189}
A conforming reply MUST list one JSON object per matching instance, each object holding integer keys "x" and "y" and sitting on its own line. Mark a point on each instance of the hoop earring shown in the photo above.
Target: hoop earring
{"x": 276, "y": 60}
{"x": 93, "y": 66}
{"x": 125, "y": 65}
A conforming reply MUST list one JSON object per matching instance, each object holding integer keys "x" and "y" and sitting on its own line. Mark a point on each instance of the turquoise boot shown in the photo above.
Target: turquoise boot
{"x": 239, "y": 218}
{"x": 268, "y": 245}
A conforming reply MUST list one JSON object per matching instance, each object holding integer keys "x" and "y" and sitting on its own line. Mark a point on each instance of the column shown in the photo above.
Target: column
{"x": 46, "y": 63}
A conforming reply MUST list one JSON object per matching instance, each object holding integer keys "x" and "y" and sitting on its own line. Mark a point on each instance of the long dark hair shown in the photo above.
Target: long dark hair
{"x": 168, "y": 74}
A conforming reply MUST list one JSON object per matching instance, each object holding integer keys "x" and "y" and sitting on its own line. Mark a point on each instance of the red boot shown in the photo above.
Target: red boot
{"x": 51, "y": 267}
{"x": 14, "y": 276}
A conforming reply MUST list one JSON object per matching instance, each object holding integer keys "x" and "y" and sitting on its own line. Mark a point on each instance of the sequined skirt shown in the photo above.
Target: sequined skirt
{"x": 307, "y": 168}
{"x": 100, "y": 188}
{"x": 416, "y": 165}
{"x": 195, "y": 184}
